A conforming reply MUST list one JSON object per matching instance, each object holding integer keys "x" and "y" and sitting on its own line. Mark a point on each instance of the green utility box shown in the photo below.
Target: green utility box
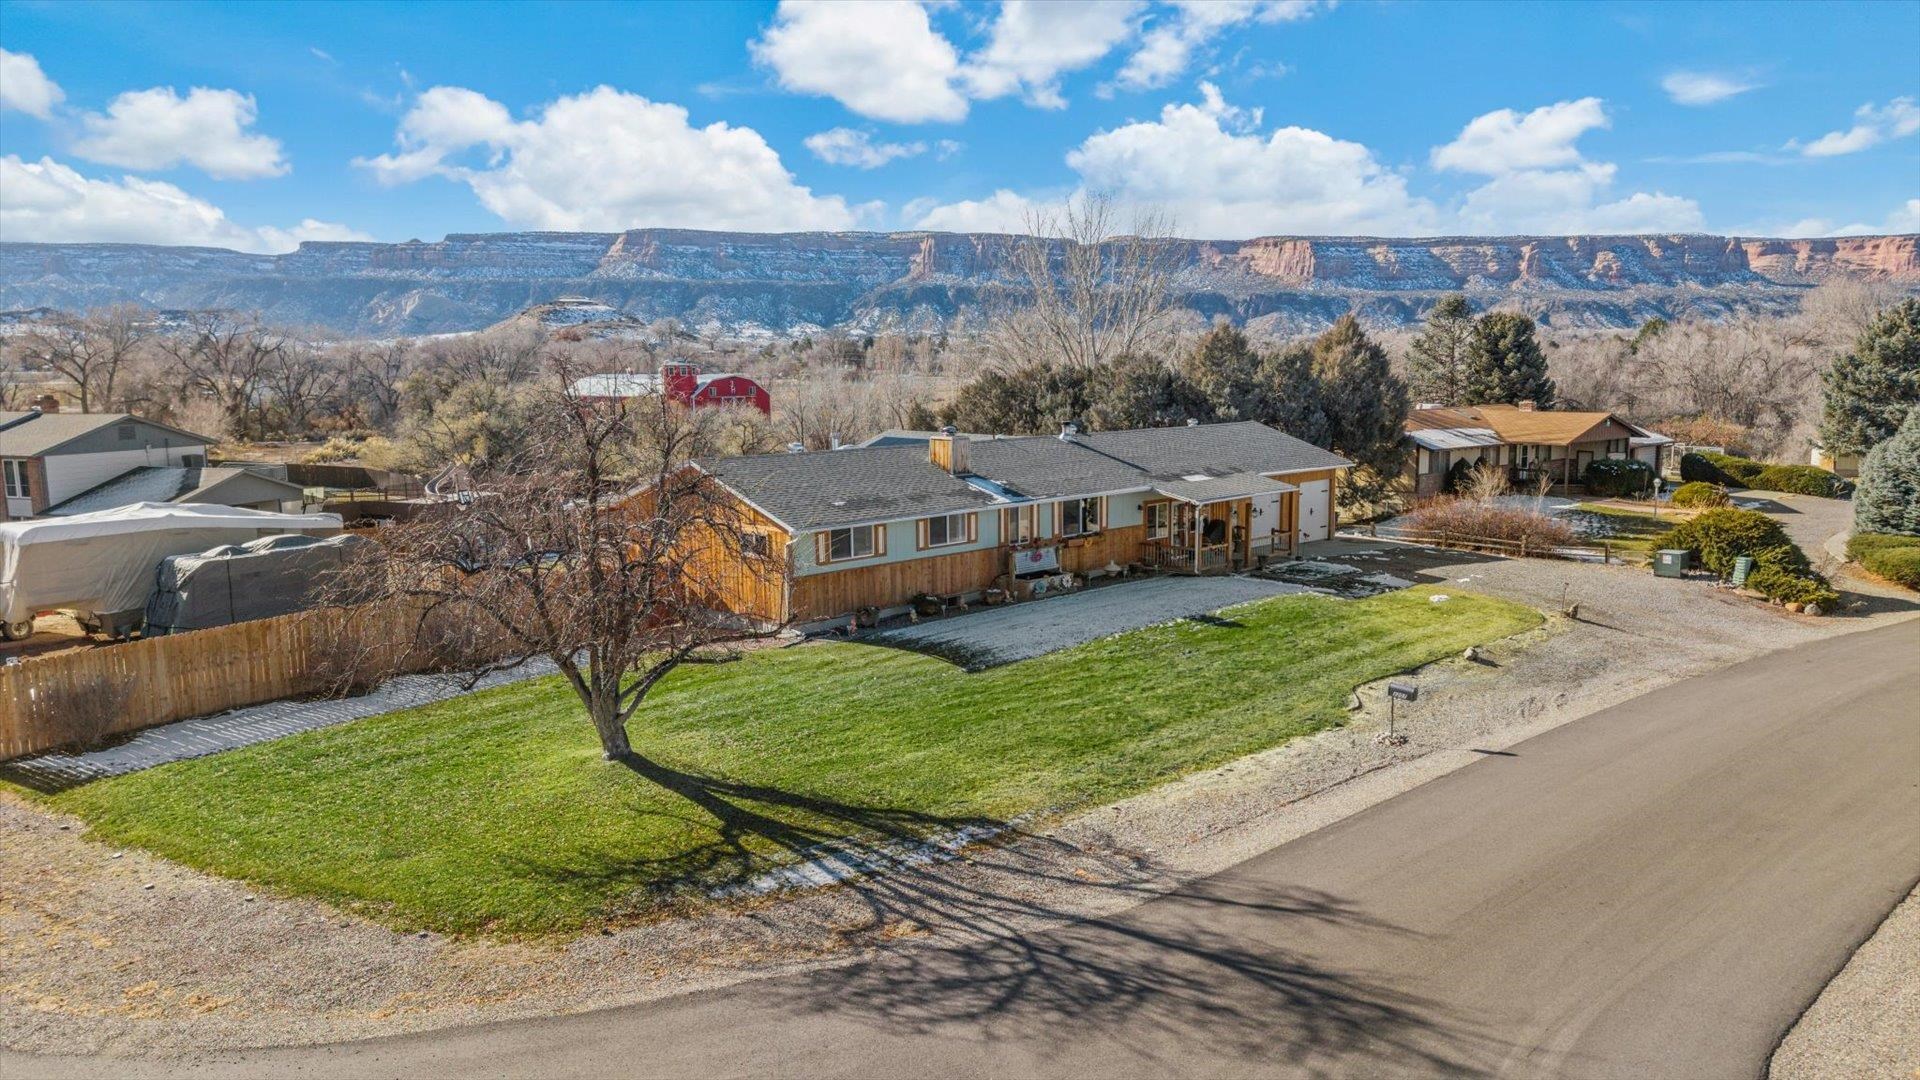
{"x": 1670, "y": 562}
{"x": 1742, "y": 566}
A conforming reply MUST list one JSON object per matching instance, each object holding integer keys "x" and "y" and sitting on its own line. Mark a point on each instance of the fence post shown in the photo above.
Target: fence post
{"x": 1523, "y": 547}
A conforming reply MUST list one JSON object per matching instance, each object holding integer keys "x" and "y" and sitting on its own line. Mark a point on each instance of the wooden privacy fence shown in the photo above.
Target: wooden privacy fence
{"x": 86, "y": 695}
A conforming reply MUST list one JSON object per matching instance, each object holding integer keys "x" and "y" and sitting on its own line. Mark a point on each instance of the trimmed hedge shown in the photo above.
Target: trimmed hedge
{"x": 1729, "y": 471}
{"x": 1781, "y": 571}
{"x": 1801, "y": 480}
{"x": 1699, "y": 494}
{"x": 1896, "y": 558}
{"x": 1618, "y": 476}
{"x": 1722, "y": 469}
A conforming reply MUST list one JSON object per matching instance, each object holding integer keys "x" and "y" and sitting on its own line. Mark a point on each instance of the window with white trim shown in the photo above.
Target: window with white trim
{"x": 16, "y": 474}
{"x": 859, "y": 542}
{"x": 1159, "y": 520}
{"x": 1079, "y": 517}
{"x": 946, "y": 530}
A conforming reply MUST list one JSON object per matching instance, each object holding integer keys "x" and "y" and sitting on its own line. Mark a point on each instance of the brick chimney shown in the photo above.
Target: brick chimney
{"x": 948, "y": 451}
{"x": 1526, "y": 406}
{"x": 48, "y": 403}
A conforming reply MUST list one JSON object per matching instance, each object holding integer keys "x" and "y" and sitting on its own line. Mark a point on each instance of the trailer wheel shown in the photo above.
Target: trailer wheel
{"x": 17, "y": 631}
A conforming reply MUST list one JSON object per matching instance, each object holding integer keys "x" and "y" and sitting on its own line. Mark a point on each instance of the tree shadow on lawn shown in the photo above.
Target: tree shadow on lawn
{"x": 1221, "y": 959}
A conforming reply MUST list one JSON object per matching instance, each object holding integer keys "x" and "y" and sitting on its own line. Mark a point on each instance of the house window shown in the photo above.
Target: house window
{"x": 1080, "y": 516}
{"x": 1017, "y": 525}
{"x": 946, "y": 530}
{"x": 862, "y": 542}
{"x": 16, "y": 475}
{"x": 1159, "y": 520}
{"x": 755, "y": 545}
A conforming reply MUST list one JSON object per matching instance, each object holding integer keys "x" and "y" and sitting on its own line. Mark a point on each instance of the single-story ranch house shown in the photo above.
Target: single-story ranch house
{"x": 1529, "y": 442}
{"x": 946, "y": 515}
{"x": 48, "y": 457}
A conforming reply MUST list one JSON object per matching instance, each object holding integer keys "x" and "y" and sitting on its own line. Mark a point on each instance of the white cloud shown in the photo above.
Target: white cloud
{"x": 48, "y": 202}
{"x": 1207, "y": 169}
{"x": 1004, "y": 211}
{"x": 1905, "y": 218}
{"x": 1504, "y": 140}
{"x": 1705, "y": 87}
{"x": 880, "y": 58}
{"x": 1167, "y": 48}
{"x": 159, "y": 129}
{"x": 1031, "y": 44}
{"x": 605, "y": 159}
{"x": 850, "y": 146}
{"x": 1540, "y": 182}
{"x": 1872, "y": 125}
{"x": 23, "y": 86}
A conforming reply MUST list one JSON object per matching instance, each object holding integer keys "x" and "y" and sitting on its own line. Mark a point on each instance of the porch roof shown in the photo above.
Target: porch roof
{"x": 1200, "y": 490}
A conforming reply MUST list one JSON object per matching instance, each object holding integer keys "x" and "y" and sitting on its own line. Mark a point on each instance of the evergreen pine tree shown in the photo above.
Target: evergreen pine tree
{"x": 1871, "y": 390}
{"x": 1225, "y": 369}
{"x": 1293, "y": 401}
{"x": 1437, "y": 360}
{"x": 1032, "y": 399}
{"x": 1142, "y": 391}
{"x": 1888, "y": 498}
{"x": 1506, "y": 366}
{"x": 1366, "y": 408}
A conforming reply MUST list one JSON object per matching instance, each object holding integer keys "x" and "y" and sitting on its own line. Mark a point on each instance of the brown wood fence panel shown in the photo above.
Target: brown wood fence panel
{"x": 88, "y": 694}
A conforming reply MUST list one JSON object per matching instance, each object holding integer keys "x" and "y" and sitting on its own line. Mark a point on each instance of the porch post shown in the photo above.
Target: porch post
{"x": 1199, "y": 528}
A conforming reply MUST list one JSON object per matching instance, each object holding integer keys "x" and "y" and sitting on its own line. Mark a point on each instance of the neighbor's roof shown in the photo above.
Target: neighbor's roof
{"x": 31, "y": 434}
{"x": 1510, "y": 423}
{"x": 830, "y": 489}
{"x": 160, "y": 484}
{"x": 636, "y": 384}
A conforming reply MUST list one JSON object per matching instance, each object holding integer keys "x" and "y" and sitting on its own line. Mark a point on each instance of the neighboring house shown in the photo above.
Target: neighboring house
{"x": 217, "y": 485}
{"x": 951, "y": 516}
{"x": 1847, "y": 465}
{"x": 48, "y": 457}
{"x": 1529, "y": 443}
{"x": 683, "y": 383}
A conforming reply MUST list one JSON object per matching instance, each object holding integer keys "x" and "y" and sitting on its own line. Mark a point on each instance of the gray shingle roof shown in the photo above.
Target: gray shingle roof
{"x": 30, "y": 434}
{"x": 1213, "y": 489}
{"x": 891, "y": 481}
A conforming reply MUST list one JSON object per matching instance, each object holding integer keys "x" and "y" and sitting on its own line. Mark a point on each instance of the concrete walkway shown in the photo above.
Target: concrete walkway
{"x": 243, "y": 727}
{"x": 1002, "y": 635}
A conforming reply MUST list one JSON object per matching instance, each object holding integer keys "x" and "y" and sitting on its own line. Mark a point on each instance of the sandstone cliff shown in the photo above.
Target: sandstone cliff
{"x": 794, "y": 282}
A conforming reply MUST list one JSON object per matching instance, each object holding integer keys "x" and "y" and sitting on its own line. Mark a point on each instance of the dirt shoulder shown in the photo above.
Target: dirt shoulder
{"x": 118, "y": 952}
{"x": 1867, "y": 1021}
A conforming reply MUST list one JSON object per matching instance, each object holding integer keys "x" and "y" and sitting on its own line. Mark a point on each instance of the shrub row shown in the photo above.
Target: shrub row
{"x": 1472, "y": 519}
{"x": 1781, "y": 571}
{"x": 1896, "y": 558}
{"x": 1729, "y": 471}
{"x": 1618, "y": 476}
{"x": 1699, "y": 495}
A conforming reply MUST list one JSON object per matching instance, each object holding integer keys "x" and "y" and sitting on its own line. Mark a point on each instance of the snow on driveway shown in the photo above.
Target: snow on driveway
{"x": 994, "y": 636}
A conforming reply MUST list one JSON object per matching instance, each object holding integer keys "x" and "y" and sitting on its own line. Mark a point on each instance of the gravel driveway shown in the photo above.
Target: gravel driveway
{"x": 991, "y": 637}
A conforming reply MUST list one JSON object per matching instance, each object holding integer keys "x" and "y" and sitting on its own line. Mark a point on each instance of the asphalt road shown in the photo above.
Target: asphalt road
{"x": 1657, "y": 890}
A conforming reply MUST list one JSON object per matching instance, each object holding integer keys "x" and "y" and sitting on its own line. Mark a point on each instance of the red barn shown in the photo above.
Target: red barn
{"x": 683, "y": 383}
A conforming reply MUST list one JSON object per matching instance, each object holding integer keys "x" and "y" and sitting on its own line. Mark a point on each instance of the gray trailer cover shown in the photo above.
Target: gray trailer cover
{"x": 275, "y": 575}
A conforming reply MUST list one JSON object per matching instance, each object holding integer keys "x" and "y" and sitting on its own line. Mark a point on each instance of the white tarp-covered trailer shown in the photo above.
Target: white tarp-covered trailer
{"x": 106, "y": 561}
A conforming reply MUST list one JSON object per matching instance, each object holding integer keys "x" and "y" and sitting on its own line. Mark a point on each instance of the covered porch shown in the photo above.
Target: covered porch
{"x": 1217, "y": 525}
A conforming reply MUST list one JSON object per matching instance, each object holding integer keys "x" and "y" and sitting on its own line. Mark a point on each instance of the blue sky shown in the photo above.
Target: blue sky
{"x": 258, "y": 125}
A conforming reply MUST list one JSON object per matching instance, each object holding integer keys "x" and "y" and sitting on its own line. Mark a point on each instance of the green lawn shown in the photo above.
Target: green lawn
{"x": 495, "y": 812}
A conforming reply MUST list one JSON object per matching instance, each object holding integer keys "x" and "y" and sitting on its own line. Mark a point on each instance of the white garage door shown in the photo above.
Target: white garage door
{"x": 1313, "y": 511}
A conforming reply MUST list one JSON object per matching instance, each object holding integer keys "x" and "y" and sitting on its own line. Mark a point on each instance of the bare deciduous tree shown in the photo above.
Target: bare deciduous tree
{"x": 1088, "y": 294}
{"x": 596, "y": 549}
{"x": 224, "y": 358}
{"x": 89, "y": 352}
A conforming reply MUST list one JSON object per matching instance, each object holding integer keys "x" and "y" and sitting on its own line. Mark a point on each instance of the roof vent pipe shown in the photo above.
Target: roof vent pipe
{"x": 1193, "y": 421}
{"x": 796, "y": 448}
{"x": 1068, "y": 430}
{"x": 1527, "y": 406}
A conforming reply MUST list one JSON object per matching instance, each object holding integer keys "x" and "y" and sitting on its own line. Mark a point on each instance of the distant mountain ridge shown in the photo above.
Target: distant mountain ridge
{"x": 788, "y": 283}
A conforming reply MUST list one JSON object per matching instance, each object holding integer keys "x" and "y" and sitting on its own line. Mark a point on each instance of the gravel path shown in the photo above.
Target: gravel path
{"x": 991, "y": 637}
{"x": 235, "y": 728}
{"x": 120, "y": 952}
